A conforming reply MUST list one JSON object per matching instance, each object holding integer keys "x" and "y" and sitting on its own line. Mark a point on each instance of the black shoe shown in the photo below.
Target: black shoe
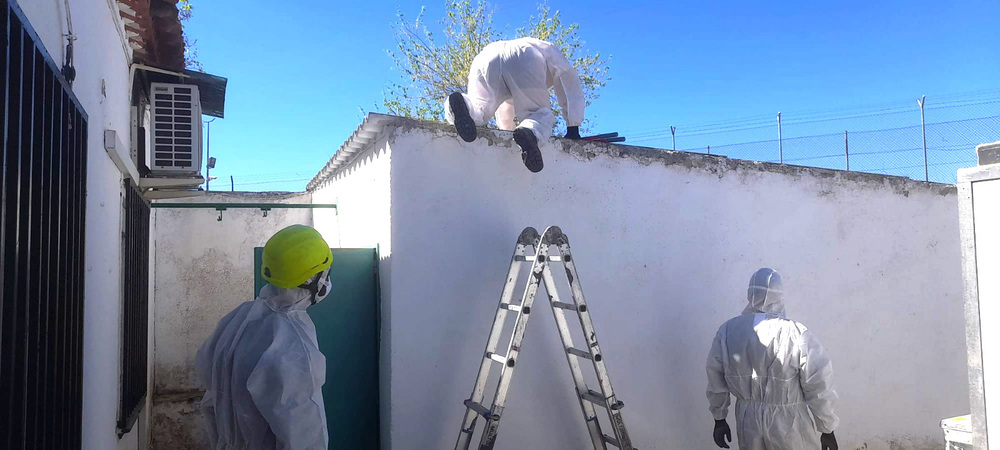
{"x": 464, "y": 124}
{"x": 530, "y": 154}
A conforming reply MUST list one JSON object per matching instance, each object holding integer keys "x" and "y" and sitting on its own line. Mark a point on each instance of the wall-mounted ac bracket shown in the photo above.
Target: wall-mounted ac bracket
{"x": 119, "y": 153}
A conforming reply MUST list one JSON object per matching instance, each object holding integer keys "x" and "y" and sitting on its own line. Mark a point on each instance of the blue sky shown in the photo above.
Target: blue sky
{"x": 299, "y": 71}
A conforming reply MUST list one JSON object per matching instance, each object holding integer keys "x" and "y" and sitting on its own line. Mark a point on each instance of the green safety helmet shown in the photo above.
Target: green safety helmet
{"x": 294, "y": 255}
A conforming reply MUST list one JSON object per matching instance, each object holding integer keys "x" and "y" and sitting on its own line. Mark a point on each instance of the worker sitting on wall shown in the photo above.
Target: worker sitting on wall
{"x": 513, "y": 78}
{"x": 778, "y": 372}
{"x": 262, "y": 366}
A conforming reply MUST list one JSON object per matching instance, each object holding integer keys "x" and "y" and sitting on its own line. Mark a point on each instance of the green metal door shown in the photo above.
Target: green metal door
{"x": 347, "y": 324}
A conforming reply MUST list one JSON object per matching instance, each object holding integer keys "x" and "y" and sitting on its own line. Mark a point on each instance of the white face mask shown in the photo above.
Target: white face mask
{"x": 323, "y": 287}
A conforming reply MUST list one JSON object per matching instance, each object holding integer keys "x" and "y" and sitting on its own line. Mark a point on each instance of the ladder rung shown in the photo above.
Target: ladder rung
{"x": 578, "y": 352}
{"x": 531, "y": 258}
{"x": 510, "y": 307}
{"x": 568, "y": 306}
{"x": 480, "y": 409}
{"x": 498, "y": 358}
{"x": 611, "y": 440}
{"x": 598, "y": 399}
{"x": 595, "y": 398}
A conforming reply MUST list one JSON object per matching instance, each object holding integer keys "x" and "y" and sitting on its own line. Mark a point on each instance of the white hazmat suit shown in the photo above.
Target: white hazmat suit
{"x": 509, "y": 78}
{"x": 776, "y": 369}
{"x": 264, "y": 373}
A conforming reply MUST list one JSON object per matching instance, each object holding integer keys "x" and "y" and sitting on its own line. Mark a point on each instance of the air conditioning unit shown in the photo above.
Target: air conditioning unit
{"x": 175, "y": 135}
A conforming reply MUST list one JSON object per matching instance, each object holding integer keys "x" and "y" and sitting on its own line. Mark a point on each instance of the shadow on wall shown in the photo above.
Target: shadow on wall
{"x": 458, "y": 368}
{"x": 178, "y": 423}
{"x": 384, "y": 351}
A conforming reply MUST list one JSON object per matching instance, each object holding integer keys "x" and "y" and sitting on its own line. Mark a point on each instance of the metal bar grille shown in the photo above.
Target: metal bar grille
{"x": 136, "y": 307}
{"x": 176, "y": 127}
{"x": 42, "y": 195}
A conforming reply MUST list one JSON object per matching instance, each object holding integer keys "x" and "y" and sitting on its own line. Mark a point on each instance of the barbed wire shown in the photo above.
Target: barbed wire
{"x": 895, "y": 107}
{"x": 890, "y": 138}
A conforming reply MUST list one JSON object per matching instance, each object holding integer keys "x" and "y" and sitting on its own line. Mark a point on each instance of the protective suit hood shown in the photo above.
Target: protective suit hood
{"x": 294, "y": 299}
{"x": 764, "y": 295}
{"x": 285, "y": 299}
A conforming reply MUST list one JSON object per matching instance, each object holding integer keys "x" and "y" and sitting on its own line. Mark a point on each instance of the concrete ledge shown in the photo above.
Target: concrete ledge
{"x": 719, "y": 165}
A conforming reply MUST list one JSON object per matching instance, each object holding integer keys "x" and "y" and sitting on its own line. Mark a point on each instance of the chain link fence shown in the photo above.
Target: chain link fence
{"x": 923, "y": 140}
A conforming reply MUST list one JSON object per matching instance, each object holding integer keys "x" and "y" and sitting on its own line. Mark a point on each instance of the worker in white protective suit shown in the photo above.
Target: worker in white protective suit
{"x": 513, "y": 78}
{"x": 778, "y": 372}
{"x": 262, "y": 367}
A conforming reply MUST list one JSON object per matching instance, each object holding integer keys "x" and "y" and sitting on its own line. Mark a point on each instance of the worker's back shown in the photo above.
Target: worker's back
{"x": 517, "y": 55}
{"x": 762, "y": 358}
{"x": 263, "y": 374}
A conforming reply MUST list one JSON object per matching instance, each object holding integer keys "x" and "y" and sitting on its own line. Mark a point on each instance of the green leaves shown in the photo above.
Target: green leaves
{"x": 184, "y": 11}
{"x": 431, "y": 69}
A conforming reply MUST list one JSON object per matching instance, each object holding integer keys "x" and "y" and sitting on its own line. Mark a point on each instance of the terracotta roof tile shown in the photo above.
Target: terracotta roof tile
{"x": 155, "y": 31}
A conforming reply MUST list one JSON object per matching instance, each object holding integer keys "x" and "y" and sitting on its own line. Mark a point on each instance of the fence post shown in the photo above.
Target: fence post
{"x": 923, "y": 133}
{"x": 208, "y": 150}
{"x": 673, "y": 137}
{"x": 847, "y": 153}
{"x": 781, "y": 156}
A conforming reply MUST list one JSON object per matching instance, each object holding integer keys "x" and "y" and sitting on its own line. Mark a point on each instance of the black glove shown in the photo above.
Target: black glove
{"x": 572, "y": 132}
{"x": 828, "y": 441}
{"x": 722, "y": 429}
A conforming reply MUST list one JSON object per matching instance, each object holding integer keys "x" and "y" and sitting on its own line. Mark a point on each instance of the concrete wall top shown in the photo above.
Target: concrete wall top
{"x": 375, "y": 124}
{"x": 244, "y": 197}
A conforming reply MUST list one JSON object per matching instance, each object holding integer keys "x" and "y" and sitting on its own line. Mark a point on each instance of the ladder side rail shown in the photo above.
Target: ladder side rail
{"x": 614, "y": 407}
{"x": 488, "y": 439}
{"x": 589, "y": 412}
{"x": 529, "y": 237}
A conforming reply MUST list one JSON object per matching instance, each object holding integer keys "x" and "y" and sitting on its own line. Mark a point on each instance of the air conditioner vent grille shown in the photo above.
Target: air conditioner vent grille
{"x": 176, "y": 131}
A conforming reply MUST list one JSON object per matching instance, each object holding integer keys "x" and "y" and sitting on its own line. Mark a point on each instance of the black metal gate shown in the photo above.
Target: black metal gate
{"x": 135, "y": 314}
{"x": 42, "y": 205}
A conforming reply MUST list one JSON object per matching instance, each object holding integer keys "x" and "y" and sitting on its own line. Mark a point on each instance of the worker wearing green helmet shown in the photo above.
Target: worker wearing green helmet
{"x": 262, "y": 367}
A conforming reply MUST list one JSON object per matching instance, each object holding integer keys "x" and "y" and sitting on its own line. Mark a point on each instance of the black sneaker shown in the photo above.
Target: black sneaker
{"x": 530, "y": 154}
{"x": 464, "y": 124}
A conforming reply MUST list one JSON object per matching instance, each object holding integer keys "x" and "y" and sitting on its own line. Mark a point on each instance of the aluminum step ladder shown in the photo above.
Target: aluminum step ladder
{"x": 589, "y": 399}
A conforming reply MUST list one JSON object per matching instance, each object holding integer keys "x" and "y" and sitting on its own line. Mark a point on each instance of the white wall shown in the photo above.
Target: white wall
{"x": 204, "y": 269}
{"x": 100, "y": 56}
{"x": 361, "y": 191}
{"x": 665, "y": 244}
{"x": 986, "y": 196}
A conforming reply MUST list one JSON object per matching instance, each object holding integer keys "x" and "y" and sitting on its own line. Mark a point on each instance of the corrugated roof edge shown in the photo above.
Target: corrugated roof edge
{"x": 369, "y": 129}
{"x": 375, "y": 123}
